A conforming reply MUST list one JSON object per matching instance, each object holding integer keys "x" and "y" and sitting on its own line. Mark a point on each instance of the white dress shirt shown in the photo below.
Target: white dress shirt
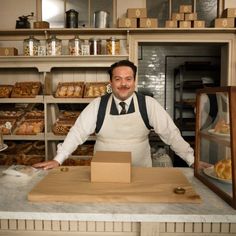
{"x": 159, "y": 119}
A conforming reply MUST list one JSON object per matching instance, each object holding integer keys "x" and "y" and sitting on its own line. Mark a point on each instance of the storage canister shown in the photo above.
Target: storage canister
{"x": 75, "y": 46}
{"x": 72, "y": 19}
{"x": 54, "y": 46}
{"x": 30, "y": 46}
{"x": 101, "y": 19}
{"x": 95, "y": 46}
{"x": 85, "y": 48}
{"x": 113, "y": 46}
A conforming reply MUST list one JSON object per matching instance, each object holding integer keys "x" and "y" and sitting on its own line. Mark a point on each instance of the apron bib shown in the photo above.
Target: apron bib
{"x": 125, "y": 133}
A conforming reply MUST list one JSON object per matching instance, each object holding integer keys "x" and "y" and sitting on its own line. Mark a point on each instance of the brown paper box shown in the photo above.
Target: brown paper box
{"x": 148, "y": 23}
{"x": 198, "y": 24}
{"x": 8, "y": 51}
{"x": 185, "y": 8}
{"x": 224, "y": 22}
{"x": 137, "y": 12}
{"x": 190, "y": 16}
{"x": 127, "y": 23}
{"x": 112, "y": 167}
{"x": 171, "y": 24}
{"x": 184, "y": 24}
{"x": 229, "y": 12}
{"x": 177, "y": 16}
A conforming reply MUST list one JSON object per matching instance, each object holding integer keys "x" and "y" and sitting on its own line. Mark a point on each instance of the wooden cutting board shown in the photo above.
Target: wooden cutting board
{"x": 148, "y": 185}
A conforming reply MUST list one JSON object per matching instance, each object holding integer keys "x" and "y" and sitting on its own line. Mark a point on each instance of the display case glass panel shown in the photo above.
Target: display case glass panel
{"x": 215, "y": 140}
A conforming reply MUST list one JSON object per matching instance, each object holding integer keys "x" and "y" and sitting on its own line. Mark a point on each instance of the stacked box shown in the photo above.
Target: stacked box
{"x": 137, "y": 18}
{"x": 227, "y": 20}
{"x": 185, "y": 18}
{"x": 8, "y": 51}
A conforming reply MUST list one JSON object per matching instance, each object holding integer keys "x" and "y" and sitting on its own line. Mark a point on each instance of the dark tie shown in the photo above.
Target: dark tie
{"x": 123, "y": 110}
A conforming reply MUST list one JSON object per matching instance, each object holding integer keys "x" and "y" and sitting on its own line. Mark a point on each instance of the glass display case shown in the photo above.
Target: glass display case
{"x": 216, "y": 141}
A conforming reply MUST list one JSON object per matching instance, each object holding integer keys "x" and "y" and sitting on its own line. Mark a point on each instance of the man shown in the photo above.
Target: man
{"x": 127, "y": 131}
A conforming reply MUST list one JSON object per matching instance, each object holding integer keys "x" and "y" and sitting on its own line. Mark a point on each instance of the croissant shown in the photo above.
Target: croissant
{"x": 223, "y": 169}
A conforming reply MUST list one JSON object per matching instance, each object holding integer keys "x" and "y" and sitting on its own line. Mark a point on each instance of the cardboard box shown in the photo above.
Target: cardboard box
{"x": 229, "y": 4}
{"x": 171, "y": 24}
{"x": 198, "y": 24}
{"x": 148, "y": 23}
{"x": 190, "y": 16}
{"x": 8, "y": 51}
{"x": 177, "y": 16}
{"x": 112, "y": 167}
{"x": 127, "y": 23}
{"x": 185, "y": 9}
{"x": 184, "y": 24}
{"x": 137, "y": 12}
{"x": 229, "y": 12}
{"x": 224, "y": 23}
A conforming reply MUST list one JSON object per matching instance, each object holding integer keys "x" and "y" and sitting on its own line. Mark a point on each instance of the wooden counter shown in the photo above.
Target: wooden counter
{"x": 21, "y": 217}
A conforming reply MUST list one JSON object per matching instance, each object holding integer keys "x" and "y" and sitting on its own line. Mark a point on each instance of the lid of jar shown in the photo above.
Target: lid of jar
{"x": 31, "y": 38}
{"x": 94, "y": 39}
{"x": 113, "y": 39}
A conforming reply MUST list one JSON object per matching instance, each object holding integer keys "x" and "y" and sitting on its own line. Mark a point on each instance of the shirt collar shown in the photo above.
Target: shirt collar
{"x": 127, "y": 101}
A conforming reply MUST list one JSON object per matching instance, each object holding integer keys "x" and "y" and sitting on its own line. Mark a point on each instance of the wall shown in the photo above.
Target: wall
{"x": 152, "y": 67}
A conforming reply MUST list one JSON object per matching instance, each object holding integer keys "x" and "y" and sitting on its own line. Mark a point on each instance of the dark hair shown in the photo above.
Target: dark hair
{"x": 122, "y": 63}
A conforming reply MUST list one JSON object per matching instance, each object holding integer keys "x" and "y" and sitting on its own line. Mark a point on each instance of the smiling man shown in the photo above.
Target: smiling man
{"x": 122, "y": 121}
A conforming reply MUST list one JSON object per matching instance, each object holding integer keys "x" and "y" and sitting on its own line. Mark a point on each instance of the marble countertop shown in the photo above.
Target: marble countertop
{"x": 14, "y": 205}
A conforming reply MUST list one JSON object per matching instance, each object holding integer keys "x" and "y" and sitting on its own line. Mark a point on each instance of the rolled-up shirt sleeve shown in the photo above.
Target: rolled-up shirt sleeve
{"x": 84, "y": 126}
{"x": 164, "y": 126}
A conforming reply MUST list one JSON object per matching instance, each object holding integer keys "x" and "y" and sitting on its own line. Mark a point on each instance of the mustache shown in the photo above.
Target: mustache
{"x": 124, "y": 86}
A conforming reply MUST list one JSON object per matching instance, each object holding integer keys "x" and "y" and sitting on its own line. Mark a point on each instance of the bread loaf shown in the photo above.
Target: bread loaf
{"x": 223, "y": 169}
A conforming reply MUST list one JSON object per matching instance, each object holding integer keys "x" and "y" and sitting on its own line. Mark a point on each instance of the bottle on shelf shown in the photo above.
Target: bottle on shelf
{"x": 30, "y": 46}
{"x": 54, "y": 46}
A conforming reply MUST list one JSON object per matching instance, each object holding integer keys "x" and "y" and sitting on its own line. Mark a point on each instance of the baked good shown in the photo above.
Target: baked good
{"x": 223, "y": 169}
{"x": 222, "y": 127}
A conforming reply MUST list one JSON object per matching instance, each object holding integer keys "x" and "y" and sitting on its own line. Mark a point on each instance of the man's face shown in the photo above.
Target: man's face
{"x": 123, "y": 82}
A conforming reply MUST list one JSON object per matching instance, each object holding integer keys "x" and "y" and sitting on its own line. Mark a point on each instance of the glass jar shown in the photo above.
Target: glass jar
{"x": 113, "y": 46}
{"x": 75, "y": 46}
{"x": 54, "y": 46}
{"x": 30, "y": 46}
{"x": 95, "y": 46}
{"x": 85, "y": 48}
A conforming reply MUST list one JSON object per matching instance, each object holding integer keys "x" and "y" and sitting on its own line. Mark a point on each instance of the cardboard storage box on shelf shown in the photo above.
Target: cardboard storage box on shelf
{"x": 229, "y": 12}
{"x": 177, "y": 16}
{"x": 113, "y": 167}
{"x": 198, "y": 24}
{"x": 8, "y": 51}
{"x": 171, "y": 24}
{"x": 148, "y": 23}
{"x": 229, "y": 4}
{"x": 184, "y": 24}
{"x": 137, "y": 12}
{"x": 224, "y": 23}
{"x": 127, "y": 23}
{"x": 190, "y": 16}
{"x": 185, "y": 9}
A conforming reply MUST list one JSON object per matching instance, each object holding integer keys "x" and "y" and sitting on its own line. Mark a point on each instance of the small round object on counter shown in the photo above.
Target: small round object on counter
{"x": 64, "y": 169}
{"x": 179, "y": 190}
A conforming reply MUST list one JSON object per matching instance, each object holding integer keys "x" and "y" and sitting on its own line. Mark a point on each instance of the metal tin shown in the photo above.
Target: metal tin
{"x": 101, "y": 19}
{"x": 72, "y": 19}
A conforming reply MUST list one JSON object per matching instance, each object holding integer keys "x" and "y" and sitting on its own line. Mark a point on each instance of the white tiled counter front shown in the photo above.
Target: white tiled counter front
{"x": 18, "y": 216}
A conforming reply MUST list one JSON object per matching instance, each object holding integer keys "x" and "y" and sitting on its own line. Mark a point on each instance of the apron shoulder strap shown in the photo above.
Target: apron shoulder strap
{"x": 143, "y": 109}
{"x": 102, "y": 111}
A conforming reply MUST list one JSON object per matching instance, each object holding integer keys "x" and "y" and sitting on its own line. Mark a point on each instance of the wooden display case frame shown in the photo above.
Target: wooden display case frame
{"x": 229, "y": 141}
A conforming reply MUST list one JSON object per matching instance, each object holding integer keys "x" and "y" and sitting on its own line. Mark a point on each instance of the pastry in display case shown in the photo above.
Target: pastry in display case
{"x": 215, "y": 150}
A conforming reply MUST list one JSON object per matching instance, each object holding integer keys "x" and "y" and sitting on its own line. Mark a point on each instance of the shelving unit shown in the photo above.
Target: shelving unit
{"x": 50, "y": 70}
{"x": 187, "y": 80}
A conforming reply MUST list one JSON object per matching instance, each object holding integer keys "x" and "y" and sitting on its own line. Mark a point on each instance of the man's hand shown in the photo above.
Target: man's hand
{"x": 47, "y": 165}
